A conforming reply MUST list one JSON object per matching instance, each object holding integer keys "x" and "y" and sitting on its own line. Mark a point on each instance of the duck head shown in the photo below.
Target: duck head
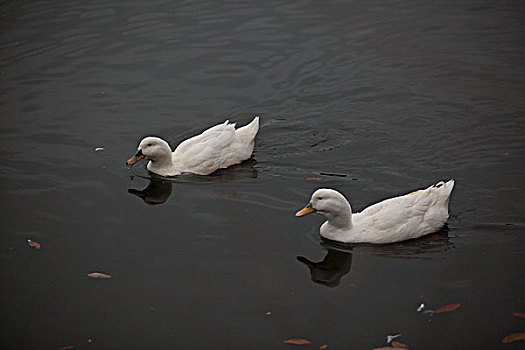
{"x": 325, "y": 201}
{"x": 153, "y": 148}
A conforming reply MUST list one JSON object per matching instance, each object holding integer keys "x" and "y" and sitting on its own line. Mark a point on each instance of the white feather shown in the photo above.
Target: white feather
{"x": 217, "y": 147}
{"x": 392, "y": 220}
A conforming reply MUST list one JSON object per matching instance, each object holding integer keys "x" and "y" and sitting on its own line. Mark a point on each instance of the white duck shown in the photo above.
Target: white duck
{"x": 392, "y": 220}
{"x": 218, "y": 147}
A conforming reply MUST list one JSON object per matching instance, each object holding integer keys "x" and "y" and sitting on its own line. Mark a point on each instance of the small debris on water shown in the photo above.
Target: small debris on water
{"x": 297, "y": 341}
{"x": 98, "y": 149}
{"x": 99, "y": 275}
{"x": 33, "y": 244}
{"x": 421, "y": 307}
{"x": 389, "y": 338}
{"x": 268, "y": 313}
{"x": 448, "y": 308}
{"x": 332, "y": 174}
{"x": 398, "y": 345}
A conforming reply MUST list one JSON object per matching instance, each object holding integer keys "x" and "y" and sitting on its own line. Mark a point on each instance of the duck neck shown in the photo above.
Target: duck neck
{"x": 341, "y": 220}
{"x": 162, "y": 163}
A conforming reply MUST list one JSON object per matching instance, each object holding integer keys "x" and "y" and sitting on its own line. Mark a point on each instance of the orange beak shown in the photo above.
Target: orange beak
{"x": 136, "y": 157}
{"x": 306, "y": 210}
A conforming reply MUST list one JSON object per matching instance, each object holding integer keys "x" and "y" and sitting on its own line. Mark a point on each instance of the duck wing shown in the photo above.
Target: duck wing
{"x": 204, "y": 153}
{"x": 409, "y": 216}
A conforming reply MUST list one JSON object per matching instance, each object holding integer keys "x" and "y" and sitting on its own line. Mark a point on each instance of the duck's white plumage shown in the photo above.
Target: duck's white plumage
{"x": 217, "y": 147}
{"x": 393, "y": 220}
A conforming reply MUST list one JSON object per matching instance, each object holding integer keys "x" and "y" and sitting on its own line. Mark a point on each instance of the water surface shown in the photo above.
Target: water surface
{"x": 377, "y": 98}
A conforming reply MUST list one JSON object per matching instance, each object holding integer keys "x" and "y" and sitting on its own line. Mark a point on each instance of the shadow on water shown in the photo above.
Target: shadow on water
{"x": 338, "y": 259}
{"x": 331, "y": 269}
{"x": 159, "y": 188}
{"x": 157, "y": 192}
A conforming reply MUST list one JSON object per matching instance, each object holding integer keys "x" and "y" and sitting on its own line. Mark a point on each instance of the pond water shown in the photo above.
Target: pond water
{"x": 375, "y": 98}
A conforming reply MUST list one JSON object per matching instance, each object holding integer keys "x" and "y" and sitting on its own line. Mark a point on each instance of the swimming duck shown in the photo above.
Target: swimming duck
{"x": 218, "y": 147}
{"x": 392, "y": 220}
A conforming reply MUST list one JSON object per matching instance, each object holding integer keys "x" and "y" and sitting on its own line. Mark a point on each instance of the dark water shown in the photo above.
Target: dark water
{"x": 393, "y": 95}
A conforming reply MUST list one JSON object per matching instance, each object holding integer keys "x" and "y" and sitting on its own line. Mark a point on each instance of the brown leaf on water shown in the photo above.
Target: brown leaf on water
{"x": 397, "y": 344}
{"x": 519, "y": 314}
{"x": 448, "y": 308}
{"x": 33, "y": 244}
{"x": 322, "y": 347}
{"x": 98, "y": 275}
{"x": 511, "y": 338}
{"x": 314, "y": 178}
{"x": 297, "y": 341}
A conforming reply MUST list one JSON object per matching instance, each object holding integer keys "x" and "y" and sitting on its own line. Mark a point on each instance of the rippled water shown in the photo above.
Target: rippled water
{"x": 377, "y": 98}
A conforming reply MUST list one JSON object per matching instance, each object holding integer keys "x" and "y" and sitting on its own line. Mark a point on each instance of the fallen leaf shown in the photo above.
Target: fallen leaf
{"x": 99, "y": 275}
{"x": 397, "y": 344}
{"x": 314, "y": 178}
{"x": 447, "y": 308}
{"x": 511, "y": 338}
{"x": 322, "y": 347}
{"x": 297, "y": 341}
{"x": 519, "y": 314}
{"x": 33, "y": 244}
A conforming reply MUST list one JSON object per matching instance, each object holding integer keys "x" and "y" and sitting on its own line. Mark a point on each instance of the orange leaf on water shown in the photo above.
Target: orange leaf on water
{"x": 448, "y": 308}
{"x": 519, "y": 314}
{"x": 314, "y": 178}
{"x": 397, "y": 344}
{"x": 297, "y": 341}
{"x": 33, "y": 244}
{"x": 322, "y": 347}
{"x": 511, "y": 338}
{"x": 99, "y": 275}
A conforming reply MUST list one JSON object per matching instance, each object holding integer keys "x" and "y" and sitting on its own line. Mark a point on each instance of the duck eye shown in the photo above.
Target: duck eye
{"x": 149, "y": 144}
{"x": 320, "y": 198}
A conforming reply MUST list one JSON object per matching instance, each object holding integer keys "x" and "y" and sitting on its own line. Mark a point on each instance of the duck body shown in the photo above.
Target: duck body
{"x": 217, "y": 147}
{"x": 393, "y": 220}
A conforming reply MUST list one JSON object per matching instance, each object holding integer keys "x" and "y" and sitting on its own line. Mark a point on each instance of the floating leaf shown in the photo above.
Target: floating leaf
{"x": 519, "y": 314}
{"x": 447, "y": 308}
{"x": 99, "y": 275}
{"x": 322, "y": 347}
{"x": 314, "y": 178}
{"x": 297, "y": 341}
{"x": 511, "y": 338}
{"x": 397, "y": 344}
{"x": 33, "y": 244}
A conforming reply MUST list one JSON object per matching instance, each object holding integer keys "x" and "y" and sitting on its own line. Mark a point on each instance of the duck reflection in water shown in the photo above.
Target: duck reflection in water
{"x": 159, "y": 189}
{"x": 331, "y": 270}
{"x": 157, "y": 192}
{"x": 338, "y": 259}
